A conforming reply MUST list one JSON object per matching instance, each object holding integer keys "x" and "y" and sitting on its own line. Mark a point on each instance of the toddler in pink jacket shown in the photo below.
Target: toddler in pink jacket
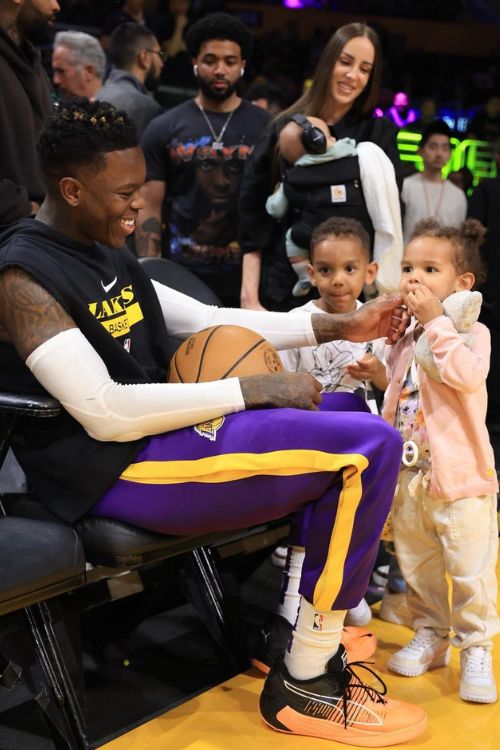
{"x": 444, "y": 512}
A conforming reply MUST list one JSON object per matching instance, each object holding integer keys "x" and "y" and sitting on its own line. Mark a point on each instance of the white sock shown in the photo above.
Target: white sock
{"x": 315, "y": 640}
{"x": 300, "y": 269}
{"x": 290, "y": 597}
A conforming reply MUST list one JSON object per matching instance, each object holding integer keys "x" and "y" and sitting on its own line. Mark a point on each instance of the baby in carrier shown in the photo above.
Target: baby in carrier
{"x": 328, "y": 178}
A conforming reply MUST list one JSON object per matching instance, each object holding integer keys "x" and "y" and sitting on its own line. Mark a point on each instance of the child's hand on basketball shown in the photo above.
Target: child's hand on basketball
{"x": 368, "y": 367}
{"x": 298, "y": 390}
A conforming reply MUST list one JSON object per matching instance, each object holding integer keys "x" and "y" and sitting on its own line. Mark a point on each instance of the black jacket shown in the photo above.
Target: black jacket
{"x": 25, "y": 103}
{"x": 258, "y": 231}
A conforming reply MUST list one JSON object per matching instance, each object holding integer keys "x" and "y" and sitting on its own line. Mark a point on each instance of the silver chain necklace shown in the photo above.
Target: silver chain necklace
{"x": 217, "y": 139}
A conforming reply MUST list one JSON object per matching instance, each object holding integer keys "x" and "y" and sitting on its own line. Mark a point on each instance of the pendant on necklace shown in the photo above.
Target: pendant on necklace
{"x": 410, "y": 453}
{"x": 217, "y": 146}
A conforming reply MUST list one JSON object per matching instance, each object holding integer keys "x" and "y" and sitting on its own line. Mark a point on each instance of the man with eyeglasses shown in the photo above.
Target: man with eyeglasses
{"x": 138, "y": 62}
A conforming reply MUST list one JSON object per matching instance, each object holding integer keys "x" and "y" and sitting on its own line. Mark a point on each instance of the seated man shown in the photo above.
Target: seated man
{"x": 80, "y": 318}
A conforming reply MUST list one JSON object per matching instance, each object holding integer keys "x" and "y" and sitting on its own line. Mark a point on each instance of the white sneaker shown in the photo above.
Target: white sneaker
{"x": 394, "y": 608}
{"x": 477, "y": 683}
{"x": 278, "y": 556}
{"x": 301, "y": 288}
{"x": 360, "y": 615}
{"x": 380, "y": 575}
{"x": 426, "y": 650}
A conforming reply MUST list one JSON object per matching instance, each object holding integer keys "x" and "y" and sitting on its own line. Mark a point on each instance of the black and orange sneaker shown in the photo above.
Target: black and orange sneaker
{"x": 338, "y": 706}
{"x": 276, "y": 632}
{"x": 272, "y": 642}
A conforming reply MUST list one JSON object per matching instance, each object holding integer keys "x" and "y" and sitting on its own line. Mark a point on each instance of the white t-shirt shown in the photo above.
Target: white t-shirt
{"x": 327, "y": 361}
{"x": 424, "y": 199}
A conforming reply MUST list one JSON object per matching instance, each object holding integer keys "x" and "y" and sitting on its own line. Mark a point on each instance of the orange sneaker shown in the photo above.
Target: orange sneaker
{"x": 338, "y": 706}
{"x": 274, "y": 635}
{"x": 359, "y": 643}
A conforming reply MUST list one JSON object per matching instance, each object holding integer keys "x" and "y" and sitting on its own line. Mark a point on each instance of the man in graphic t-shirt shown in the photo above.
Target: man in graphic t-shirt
{"x": 195, "y": 155}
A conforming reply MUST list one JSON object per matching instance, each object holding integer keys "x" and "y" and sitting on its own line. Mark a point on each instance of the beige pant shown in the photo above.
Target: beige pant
{"x": 434, "y": 537}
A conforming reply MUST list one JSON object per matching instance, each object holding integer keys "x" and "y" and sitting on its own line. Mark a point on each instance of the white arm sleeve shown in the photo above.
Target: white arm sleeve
{"x": 184, "y": 315}
{"x": 72, "y": 371}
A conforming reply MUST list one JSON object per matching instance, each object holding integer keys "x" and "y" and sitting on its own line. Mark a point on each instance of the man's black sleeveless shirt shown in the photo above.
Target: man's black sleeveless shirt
{"x": 112, "y": 301}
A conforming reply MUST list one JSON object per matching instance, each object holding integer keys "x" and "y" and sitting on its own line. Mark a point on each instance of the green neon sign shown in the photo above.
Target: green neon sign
{"x": 475, "y": 155}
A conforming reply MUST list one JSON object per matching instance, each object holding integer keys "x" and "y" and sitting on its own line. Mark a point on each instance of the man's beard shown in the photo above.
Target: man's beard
{"x": 218, "y": 96}
{"x": 37, "y": 26}
{"x": 152, "y": 81}
{"x": 41, "y": 35}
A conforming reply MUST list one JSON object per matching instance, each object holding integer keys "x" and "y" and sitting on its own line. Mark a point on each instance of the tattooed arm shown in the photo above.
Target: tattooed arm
{"x": 29, "y": 315}
{"x": 383, "y": 317}
{"x": 68, "y": 367}
{"x": 148, "y": 236}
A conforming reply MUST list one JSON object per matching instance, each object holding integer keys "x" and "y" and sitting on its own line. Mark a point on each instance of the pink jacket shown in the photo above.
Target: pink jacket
{"x": 454, "y": 410}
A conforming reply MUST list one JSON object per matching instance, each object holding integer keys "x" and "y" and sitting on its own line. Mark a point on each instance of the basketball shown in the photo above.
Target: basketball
{"x": 223, "y": 352}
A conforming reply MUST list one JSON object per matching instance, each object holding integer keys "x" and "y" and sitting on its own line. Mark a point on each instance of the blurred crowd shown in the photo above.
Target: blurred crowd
{"x": 285, "y": 61}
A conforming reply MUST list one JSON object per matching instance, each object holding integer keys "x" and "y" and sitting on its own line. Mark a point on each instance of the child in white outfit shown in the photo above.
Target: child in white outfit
{"x": 444, "y": 512}
{"x": 339, "y": 267}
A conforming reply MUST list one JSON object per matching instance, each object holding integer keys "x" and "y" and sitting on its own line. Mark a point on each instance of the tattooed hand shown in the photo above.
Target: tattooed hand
{"x": 298, "y": 390}
{"x": 383, "y": 317}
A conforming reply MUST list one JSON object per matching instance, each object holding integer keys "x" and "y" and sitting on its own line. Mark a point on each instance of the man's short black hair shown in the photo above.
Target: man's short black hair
{"x": 438, "y": 127}
{"x": 80, "y": 133}
{"x": 265, "y": 90}
{"x": 126, "y": 41}
{"x": 219, "y": 26}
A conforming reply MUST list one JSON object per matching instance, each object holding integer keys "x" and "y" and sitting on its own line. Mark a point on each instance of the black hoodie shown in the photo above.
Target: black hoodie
{"x": 25, "y": 103}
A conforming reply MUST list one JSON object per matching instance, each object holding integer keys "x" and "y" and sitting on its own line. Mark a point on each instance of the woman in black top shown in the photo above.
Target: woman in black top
{"x": 344, "y": 93}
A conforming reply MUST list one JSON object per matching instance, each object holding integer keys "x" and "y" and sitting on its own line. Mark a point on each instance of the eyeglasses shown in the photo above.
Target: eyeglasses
{"x": 160, "y": 52}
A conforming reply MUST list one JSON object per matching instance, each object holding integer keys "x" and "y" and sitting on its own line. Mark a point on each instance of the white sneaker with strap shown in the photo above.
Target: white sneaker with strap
{"x": 477, "y": 683}
{"x": 426, "y": 650}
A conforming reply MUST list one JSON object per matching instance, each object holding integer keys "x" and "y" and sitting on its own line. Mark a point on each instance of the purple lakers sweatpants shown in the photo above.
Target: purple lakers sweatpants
{"x": 337, "y": 468}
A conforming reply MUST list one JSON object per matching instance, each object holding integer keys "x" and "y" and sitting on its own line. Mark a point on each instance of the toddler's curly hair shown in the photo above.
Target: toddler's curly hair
{"x": 466, "y": 238}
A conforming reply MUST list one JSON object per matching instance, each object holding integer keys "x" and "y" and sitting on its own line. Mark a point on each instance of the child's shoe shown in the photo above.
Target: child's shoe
{"x": 394, "y": 608}
{"x": 338, "y": 706}
{"x": 278, "y": 556}
{"x": 301, "y": 288}
{"x": 360, "y": 615}
{"x": 477, "y": 683}
{"x": 426, "y": 650}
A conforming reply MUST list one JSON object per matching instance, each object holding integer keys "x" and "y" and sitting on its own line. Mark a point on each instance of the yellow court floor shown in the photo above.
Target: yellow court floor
{"x": 226, "y": 717}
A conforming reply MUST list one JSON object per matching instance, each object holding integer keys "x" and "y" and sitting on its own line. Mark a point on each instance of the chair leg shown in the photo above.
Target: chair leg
{"x": 58, "y": 651}
{"x": 204, "y": 587}
{"x": 31, "y": 650}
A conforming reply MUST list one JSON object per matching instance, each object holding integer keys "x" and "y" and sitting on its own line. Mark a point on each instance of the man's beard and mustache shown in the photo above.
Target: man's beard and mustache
{"x": 210, "y": 93}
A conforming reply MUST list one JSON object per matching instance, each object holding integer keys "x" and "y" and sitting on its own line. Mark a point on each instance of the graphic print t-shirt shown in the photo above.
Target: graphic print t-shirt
{"x": 202, "y": 181}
